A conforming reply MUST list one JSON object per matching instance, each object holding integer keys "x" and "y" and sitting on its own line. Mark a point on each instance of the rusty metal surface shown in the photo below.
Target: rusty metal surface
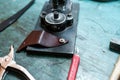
{"x": 98, "y": 23}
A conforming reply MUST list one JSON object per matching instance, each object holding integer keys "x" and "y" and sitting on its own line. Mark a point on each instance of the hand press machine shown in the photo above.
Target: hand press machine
{"x": 55, "y": 31}
{"x": 56, "y": 28}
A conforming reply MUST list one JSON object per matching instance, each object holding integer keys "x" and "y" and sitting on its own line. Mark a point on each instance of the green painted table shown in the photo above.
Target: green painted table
{"x": 98, "y": 23}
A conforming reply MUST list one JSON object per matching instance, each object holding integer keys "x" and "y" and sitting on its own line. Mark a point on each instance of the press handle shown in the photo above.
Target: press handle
{"x": 73, "y": 67}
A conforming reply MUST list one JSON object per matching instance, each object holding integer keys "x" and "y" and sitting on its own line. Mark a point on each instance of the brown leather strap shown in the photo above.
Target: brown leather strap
{"x": 43, "y": 39}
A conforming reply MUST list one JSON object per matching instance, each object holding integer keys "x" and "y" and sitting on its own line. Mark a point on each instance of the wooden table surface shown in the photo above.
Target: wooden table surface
{"x": 99, "y": 22}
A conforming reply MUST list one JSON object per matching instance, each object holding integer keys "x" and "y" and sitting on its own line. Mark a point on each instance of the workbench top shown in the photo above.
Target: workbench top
{"x": 99, "y": 22}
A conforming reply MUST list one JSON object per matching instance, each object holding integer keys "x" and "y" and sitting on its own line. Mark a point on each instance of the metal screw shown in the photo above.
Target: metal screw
{"x": 62, "y": 40}
{"x": 56, "y": 15}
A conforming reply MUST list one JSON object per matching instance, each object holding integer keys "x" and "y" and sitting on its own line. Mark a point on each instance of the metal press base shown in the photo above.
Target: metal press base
{"x": 69, "y": 34}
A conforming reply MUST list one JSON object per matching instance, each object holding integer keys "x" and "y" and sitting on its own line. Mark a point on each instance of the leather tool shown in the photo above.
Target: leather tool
{"x": 115, "y": 46}
{"x": 8, "y": 62}
{"x": 116, "y": 71}
{"x": 13, "y": 18}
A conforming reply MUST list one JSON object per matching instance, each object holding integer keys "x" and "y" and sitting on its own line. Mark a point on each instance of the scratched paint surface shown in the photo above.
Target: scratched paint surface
{"x": 98, "y": 23}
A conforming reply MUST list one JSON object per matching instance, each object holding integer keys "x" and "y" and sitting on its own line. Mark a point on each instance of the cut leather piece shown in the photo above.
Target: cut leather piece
{"x": 41, "y": 38}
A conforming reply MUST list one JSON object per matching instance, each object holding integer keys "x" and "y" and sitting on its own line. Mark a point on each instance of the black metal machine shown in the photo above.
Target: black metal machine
{"x": 59, "y": 18}
{"x": 57, "y": 15}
